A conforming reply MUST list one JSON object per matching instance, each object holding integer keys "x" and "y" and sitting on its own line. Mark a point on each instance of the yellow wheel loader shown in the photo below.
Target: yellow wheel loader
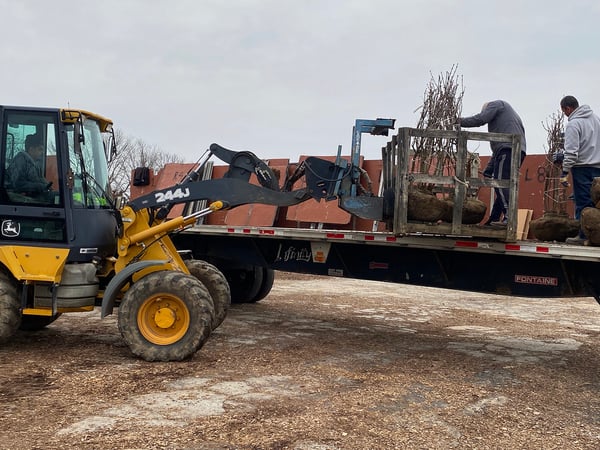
{"x": 66, "y": 247}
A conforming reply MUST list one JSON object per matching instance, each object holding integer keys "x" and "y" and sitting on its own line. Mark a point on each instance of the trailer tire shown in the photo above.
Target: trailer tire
{"x": 35, "y": 323}
{"x": 245, "y": 284}
{"x": 10, "y": 314}
{"x": 217, "y": 285}
{"x": 266, "y": 285}
{"x": 166, "y": 316}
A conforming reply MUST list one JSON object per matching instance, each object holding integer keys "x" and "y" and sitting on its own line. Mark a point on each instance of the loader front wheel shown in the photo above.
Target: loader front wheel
{"x": 166, "y": 316}
{"x": 217, "y": 285}
{"x": 10, "y": 315}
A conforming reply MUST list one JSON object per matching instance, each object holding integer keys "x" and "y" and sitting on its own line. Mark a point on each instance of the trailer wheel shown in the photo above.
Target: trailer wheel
{"x": 10, "y": 315}
{"x": 266, "y": 285}
{"x": 35, "y": 323}
{"x": 166, "y": 316}
{"x": 245, "y": 283}
{"x": 217, "y": 286}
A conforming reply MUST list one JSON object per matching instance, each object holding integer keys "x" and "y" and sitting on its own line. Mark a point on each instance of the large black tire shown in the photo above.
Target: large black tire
{"x": 10, "y": 314}
{"x": 265, "y": 287}
{"x": 35, "y": 323}
{"x": 166, "y": 316}
{"x": 250, "y": 285}
{"x": 217, "y": 285}
{"x": 245, "y": 283}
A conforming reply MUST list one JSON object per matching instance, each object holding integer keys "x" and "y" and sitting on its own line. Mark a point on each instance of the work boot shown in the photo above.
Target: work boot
{"x": 577, "y": 240}
{"x": 500, "y": 224}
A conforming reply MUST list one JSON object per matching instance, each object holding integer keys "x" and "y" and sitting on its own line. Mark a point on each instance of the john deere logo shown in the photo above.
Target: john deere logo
{"x": 10, "y": 228}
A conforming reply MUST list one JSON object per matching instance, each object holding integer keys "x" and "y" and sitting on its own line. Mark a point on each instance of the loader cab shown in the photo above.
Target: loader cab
{"x": 54, "y": 187}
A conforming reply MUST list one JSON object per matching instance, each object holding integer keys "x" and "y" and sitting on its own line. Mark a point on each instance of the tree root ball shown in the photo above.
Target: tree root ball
{"x": 590, "y": 223}
{"x": 473, "y": 211}
{"x": 554, "y": 227}
{"x": 425, "y": 207}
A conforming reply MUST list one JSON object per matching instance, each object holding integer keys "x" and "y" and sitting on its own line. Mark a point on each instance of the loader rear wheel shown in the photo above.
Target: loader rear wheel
{"x": 10, "y": 315}
{"x": 166, "y": 316}
{"x": 216, "y": 283}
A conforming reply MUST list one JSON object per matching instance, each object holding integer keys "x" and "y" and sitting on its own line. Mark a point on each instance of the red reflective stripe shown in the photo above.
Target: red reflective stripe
{"x": 231, "y": 230}
{"x": 369, "y": 237}
{"x": 335, "y": 235}
{"x": 512, "y": 247}
{"x": 246, "y": 230}
{"x": 542, "y": 249}
{"x": 466, "y": 244}
{"x": 266, "y": 231}
{"x": 391, "y": 239}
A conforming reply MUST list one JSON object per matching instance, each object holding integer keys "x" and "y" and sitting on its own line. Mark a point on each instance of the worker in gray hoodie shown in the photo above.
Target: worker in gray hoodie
{"x": 581, "y": 156}
{"x": 500, "y": 117}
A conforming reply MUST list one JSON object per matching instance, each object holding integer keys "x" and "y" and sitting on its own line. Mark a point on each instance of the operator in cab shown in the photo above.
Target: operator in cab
{"x": 25, "y": 171}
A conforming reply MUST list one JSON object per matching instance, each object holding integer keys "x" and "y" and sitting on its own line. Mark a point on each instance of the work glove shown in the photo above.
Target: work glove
{"x": 563, "y": 179}
{"x": 558, "y": 157}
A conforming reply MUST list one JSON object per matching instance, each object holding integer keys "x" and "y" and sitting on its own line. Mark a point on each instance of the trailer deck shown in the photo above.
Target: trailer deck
{"x": 521, "y": 268}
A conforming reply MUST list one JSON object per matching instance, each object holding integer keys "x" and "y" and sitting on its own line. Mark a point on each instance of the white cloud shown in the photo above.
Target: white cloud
{"x": 284, "y": 78}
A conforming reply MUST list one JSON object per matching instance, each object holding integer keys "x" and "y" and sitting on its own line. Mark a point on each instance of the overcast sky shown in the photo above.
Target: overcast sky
{"x": 283, "y": 78}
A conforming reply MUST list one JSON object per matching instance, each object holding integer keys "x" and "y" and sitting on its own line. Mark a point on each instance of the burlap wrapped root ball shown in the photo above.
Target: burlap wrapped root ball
{"x": 590, "y": 224}
{"x": 554, "y": 227}
{"x": 425, "y": 207}
{"x": 473, "y": 211}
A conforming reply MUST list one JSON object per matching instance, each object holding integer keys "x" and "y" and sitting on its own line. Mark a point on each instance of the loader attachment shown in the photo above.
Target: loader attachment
{"x": 231, "y": 191}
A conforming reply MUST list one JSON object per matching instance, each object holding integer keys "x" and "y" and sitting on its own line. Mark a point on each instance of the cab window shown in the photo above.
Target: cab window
{"x": 30, "y": 160}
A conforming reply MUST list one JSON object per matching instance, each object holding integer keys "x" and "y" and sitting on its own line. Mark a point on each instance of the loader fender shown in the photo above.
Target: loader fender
{"x": 121, "y": 279}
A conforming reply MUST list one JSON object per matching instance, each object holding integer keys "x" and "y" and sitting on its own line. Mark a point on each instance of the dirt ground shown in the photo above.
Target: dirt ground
{"x": 321, "y": 363}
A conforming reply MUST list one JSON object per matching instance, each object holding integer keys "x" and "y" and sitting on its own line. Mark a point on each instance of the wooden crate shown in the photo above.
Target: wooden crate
{"x": 398, "y": 178}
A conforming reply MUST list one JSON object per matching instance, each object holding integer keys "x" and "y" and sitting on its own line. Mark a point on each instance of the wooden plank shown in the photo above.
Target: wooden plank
{"x": 523, "y": 220}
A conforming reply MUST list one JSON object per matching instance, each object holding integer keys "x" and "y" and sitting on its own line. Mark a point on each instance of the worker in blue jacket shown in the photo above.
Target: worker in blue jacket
{"x": 500, "y": 117}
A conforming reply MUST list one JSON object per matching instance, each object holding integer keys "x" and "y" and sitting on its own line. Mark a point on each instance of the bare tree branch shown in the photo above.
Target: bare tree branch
{"x": 442, "y": 106}
{"x": 132, "y": 153}
{"x": 555, "y": 200}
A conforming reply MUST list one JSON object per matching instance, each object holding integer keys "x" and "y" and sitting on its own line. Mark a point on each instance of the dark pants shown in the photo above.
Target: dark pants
{"x": 582, "y": 183}
{"x": 502, "y": 161}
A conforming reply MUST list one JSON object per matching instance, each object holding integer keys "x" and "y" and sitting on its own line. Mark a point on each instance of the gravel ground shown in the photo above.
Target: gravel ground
{"x": 321, "y": 363}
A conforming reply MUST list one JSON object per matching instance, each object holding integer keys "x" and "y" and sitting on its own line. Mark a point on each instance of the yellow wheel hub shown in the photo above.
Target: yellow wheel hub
{"x": 163, "y": 319}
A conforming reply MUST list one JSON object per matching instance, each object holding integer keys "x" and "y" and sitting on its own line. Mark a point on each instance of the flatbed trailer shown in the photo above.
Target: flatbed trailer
{"x": 450, "y": 255}
{"x": 520, "y": 268}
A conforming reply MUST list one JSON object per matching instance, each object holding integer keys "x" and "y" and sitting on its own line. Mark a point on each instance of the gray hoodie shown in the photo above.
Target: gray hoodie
{"x": 582, "y": 139}
{"x": 501, "y": 118}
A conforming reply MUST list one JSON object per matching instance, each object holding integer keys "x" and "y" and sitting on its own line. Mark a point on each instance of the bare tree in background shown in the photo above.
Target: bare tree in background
{"x": 132, "y": 153}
